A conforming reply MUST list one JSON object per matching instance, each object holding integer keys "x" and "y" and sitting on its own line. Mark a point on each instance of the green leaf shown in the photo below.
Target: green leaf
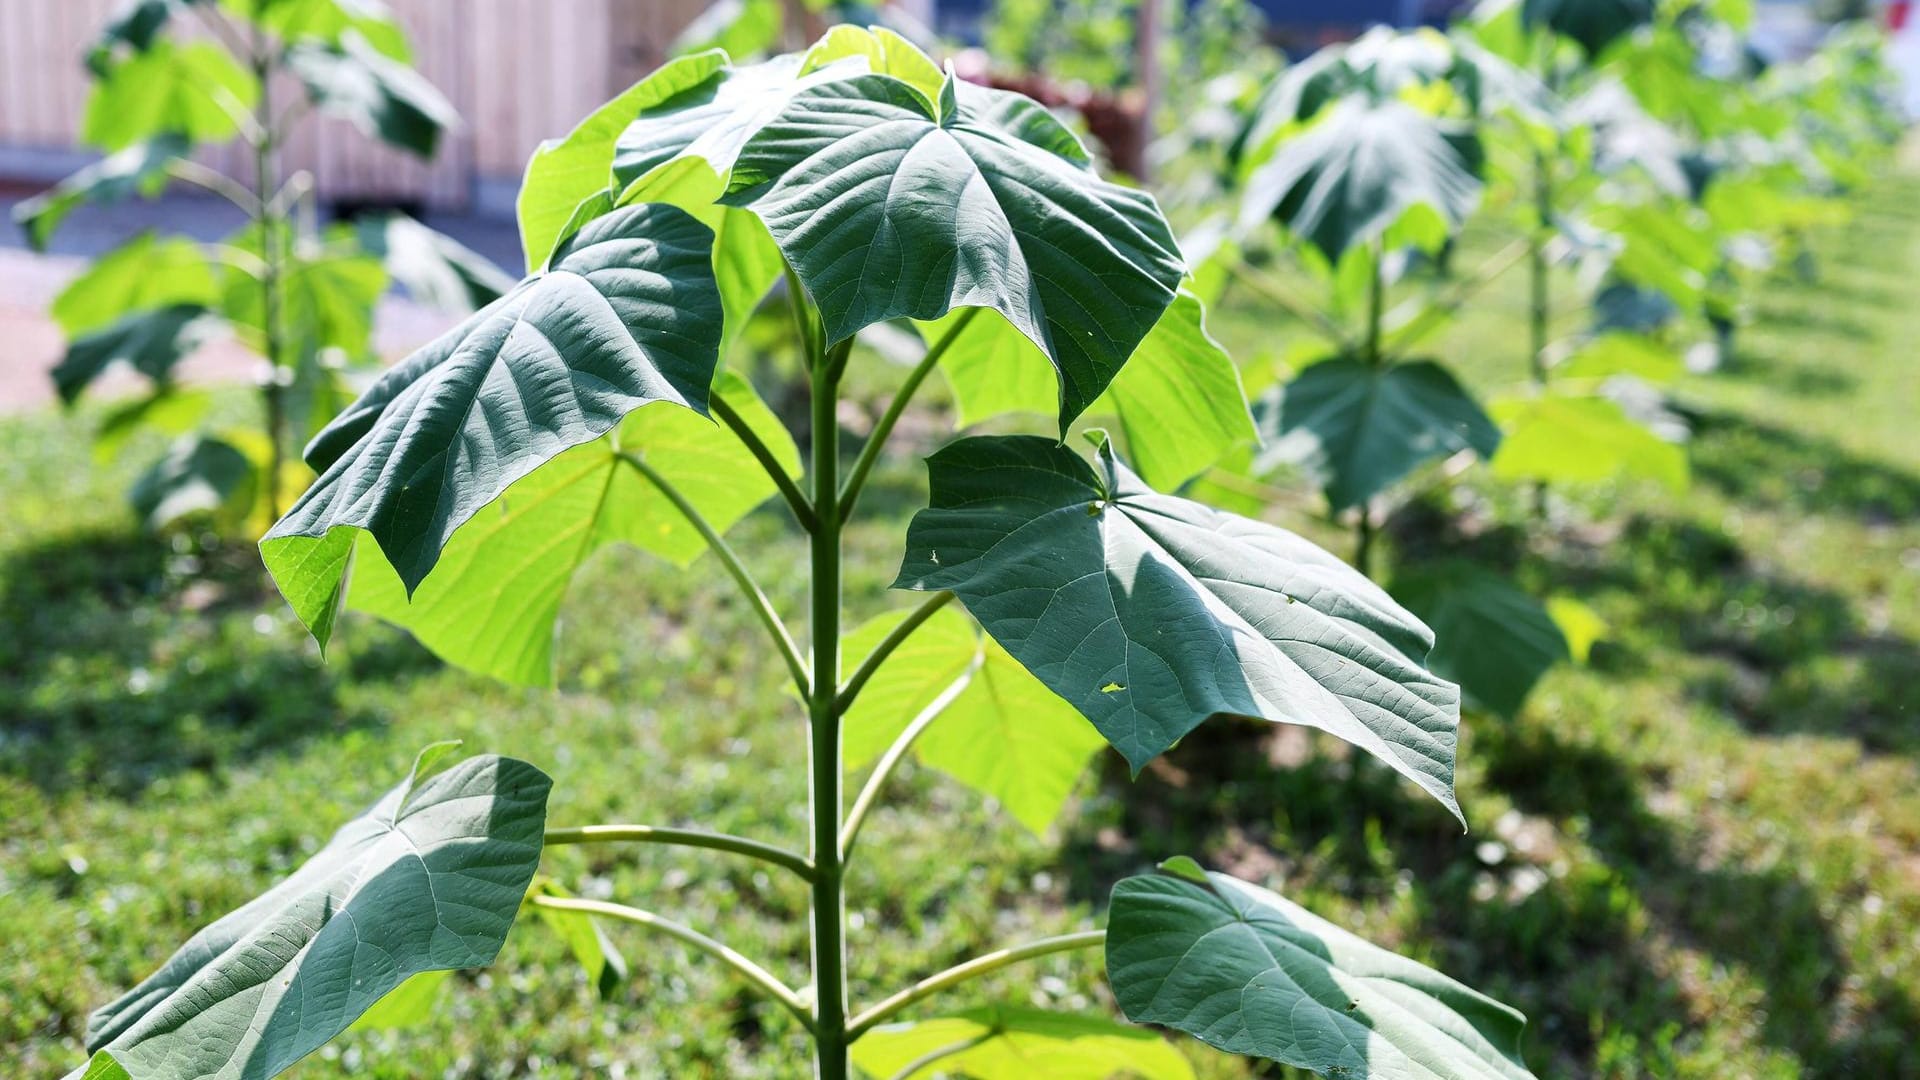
{"x": 381, "y": 96}
{"x": 1359, "y": 428}
{"x": 1249, "y": 972}
{"x": 151, "y": 342}
{"x": 1595, "y": 24}
{"x": 197, "y": 475}
{"x": 428, "y": 879}
{"x": 627, "y": 315}
{"x": 328, "y": 22}
{"x": 437, "y": 270}
{"x": 408, "y": 1005}
{"x": 1178, "y": 399}
{"x": 1151, "y": 613}
{"x": 140, "y": 275}
{"x": 167, "y": 410}
{"x": 136, "y": 25}
{"x": 140, "y": 169}
{"x": 737, "y": 27}
{"x": 563, "y": 174}
{"x": 328, "y": 295}
{"x": 1579, "y": 624}
{"x": 195, "y": 91}
{"x": 1355, "y": 171}
{"x": 1003, "y": 734}
{"x": 596, "y": 953}
{"x": 1564, "y": 439}
{"x": 492, "y": 602}
{"x": 889, "y": 208}
{"x": 885, "y": 52}
{"x": 1013, "y": 1043}
{"x": 1622, "y": 353}
{"x": 1489, "y": 636}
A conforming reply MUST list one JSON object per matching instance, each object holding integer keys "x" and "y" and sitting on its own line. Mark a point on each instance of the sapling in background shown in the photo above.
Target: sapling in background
{"x": 1063, "y": 599}
{"x": 172, "y": 76}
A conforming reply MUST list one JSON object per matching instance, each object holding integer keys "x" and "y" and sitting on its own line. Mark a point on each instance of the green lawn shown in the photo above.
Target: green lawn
{"x": 1697, "y": 857}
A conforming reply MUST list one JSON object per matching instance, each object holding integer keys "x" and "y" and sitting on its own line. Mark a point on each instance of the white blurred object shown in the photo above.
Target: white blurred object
{"x": 1903, "y": 52}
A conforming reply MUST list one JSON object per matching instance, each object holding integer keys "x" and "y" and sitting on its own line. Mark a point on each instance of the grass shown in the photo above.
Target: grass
{"x": 1698, "y": 856}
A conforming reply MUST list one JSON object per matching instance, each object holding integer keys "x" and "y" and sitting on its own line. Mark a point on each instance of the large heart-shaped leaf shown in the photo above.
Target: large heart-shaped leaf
{"x": 1151, "y": 613}
{"x": 192, "y": 90}
{"x": 1570, "y": 439}
{"x": 627, "y": 315}
{"x": 1011, "y": 1043}
{"x": 150, "y": 342}
{"x": 1004, "y": 734}
{"x": 1595, "y": 24}
{"x": 1249, "y": 972}
{"x": 1355, "y": 171}
{"x": 1489, "y": 636}
{"x": 890, "y": 206}
{"x": 140, "y": 169}
{"x": 140, "y": 275}
{"x": 1178, "y": 400}
{"x": 429, "y": 878}
{"x": 383, "y": 97}
{"x": 493, "y": 600}
{"x": 1360, "y": 427}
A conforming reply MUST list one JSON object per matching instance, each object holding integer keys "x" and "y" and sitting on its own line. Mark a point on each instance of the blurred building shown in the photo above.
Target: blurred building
{"x": 519, "y": 71}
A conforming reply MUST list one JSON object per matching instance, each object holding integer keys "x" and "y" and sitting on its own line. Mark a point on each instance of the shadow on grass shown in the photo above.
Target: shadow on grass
{"x": 1760, "y": 464}
{"x": 123, "y": 662}
{"x": 1807, "y": 380}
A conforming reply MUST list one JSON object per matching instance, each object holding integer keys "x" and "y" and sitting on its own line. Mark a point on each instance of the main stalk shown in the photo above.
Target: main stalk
{"x": 266, "y": 179}
{"x": 829, "y": 904}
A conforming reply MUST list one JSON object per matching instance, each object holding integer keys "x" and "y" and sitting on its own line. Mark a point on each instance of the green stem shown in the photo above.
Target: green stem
{"x": 266, "y": 180}
{"x": 972, "y": 969}
{"x": 1376, "y": 305}
{"x": 877, "y": 439}
{"x": 887, "y": 645}
{"x": 877, "y": 780}
{"x": 935, "y": 1056}
{"x": 1540, "y": 315}
{"x": 192, "y": 172}
{"x": 1247, "y": 274}
{"x": 796, "y": 499}
{"x": 753, "y": 972}
{"x": 696, "y": 838}
{"x": 829, "y": 899}
{"x": 762, "y": 606}
{"x": 1363, "y": 540}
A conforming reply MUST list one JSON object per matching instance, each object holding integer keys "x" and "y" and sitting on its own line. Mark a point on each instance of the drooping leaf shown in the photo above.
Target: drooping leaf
{"x": 328, "y": 22}
{"x": 1489, "y": 636}
{"x": 1360, "y": 428}
{"x": 140, "y": 169}
{"x": 1151, "y": 613}
{"x": 429, "y": 878}
{"x": 142, "y": 274}
{"x": 1013, "y": 1043}
{"x": 885, "y": 52}
{"x": 628, "y": 314}
{"x": 193, "y": 90}
{"x": 1568, "y": 439}
{"x": 150, "y": 342}
{"x": 492, "y": 602}
{"x": 383, "y": 97}
{"x": 1178, "y": 399}
{"x": 888, "y": 206}
{"x": 1355, "y": 171}
{"x": 408, "y": 1005}
{"x": 437, "y": 270}
{"x": 168, "y": 410}
{"x": 595, "y": 952}
{"x": 1004, "y": 734}
{"x": 135, "y": 25}
{"x": 1595, "y": 24}
{"x": 197, "y": 475}
{"x": 1247, "y": 971}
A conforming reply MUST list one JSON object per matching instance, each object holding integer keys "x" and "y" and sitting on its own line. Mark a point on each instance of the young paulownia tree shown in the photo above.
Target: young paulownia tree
{"x": 589, "y": 406}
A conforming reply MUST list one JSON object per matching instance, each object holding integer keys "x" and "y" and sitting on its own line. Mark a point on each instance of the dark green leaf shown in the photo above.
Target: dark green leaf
{"x": 1249, "y": 972}
{"x": 1595, "y": 24}
{"x": 428, "y": 879}
{"x": 889, "y": 206}
{"x": 197, "y": 476}
{"x": 193, "y": 90}
{"x": 1012, "y": 1043}
{"x": 1359, "y": 428}
{"x": 1355, "y": 171}
{"x": 140, "y": 169}
{"x": 151, "y": 342}
{"x": 1151, "y": 613}
{"x": 628, "y": 314}
{"x": 436, "y": 269}
{"x": 1489, "y": 636}
{"x": 383, "y": 97}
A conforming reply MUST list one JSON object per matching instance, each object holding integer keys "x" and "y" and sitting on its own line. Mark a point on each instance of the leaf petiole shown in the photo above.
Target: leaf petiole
{"x": 877, "y": 439}
{"x": 972, "y": 969}
{"x": 695, "y": 838}
{"x": 892, "y": 641}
